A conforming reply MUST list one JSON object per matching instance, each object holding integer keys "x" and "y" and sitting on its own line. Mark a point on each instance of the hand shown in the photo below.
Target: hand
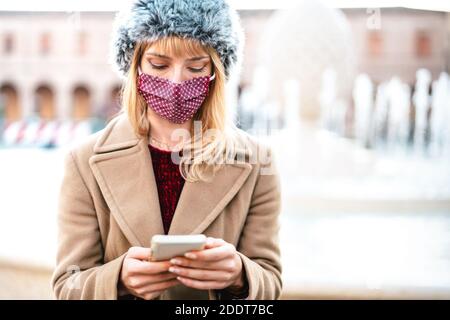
{"x": 218, "y": 266}
{"x": 143, "y": 278}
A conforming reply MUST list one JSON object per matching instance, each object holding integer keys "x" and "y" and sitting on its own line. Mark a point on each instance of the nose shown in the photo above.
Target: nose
{"x": 177, "y": 75}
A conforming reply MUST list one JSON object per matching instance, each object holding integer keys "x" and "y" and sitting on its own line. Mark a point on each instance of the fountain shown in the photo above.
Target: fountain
{"x": 440, "y": 117}
{"x": 363, "y": 98}
{"x": 421, "y": 100}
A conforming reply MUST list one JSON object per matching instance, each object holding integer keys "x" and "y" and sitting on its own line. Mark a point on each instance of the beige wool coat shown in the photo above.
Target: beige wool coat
{"x": 108, "y": 202}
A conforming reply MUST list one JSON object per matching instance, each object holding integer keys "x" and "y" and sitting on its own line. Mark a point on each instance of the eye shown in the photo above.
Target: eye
{"x": 197, "y": 69}
{"x": 157, "y": 66}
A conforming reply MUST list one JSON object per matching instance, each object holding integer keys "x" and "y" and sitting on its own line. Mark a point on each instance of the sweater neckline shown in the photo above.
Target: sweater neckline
{"x": 159, "y": 150}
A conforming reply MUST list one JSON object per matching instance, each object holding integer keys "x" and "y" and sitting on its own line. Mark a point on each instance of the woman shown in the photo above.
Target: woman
{"x": 170, "y": 163}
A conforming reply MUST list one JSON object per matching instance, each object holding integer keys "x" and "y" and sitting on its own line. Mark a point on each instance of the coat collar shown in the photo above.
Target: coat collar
{"x": 123, "y": 169}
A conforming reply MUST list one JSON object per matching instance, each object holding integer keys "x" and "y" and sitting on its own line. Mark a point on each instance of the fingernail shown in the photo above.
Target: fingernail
{"x": 172, "y": 269}
{"x": 175, "y": 261}
{"x": 190, "y": 255}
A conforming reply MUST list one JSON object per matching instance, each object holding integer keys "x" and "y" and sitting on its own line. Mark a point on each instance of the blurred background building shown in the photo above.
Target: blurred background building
{"x": 355, "y": 102}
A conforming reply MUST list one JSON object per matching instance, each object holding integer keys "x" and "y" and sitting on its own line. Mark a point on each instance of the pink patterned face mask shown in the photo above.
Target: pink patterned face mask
{"x": 177, "y": 102}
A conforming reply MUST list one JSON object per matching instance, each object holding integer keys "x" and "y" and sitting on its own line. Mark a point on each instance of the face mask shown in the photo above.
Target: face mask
{"x": 177, "y": 102}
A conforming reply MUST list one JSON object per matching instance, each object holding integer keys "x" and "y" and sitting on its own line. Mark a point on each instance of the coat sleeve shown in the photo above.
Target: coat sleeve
{"x": 80, "y": 272}
{"x": 258, "y": 246}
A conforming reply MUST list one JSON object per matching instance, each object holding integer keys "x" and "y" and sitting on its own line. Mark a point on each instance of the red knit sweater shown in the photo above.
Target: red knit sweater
{"x": 169, "y": 182}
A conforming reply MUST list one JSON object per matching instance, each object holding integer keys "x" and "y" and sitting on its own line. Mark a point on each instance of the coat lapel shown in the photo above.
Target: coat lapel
{"x": 124, "y": 172}
{"x": 123, "y": 169}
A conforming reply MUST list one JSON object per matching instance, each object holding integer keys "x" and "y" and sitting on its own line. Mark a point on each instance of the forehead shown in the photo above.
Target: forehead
{"x": 176, "y": 47}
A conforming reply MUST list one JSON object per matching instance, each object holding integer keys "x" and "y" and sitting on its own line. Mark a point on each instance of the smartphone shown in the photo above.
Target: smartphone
{"x": 165, "y": 247}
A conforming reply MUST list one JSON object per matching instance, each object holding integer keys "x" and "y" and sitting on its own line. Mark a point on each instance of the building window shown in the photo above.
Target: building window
{"x": 45, "y": 43}
{"x": 375, "y": 43}
{"x": 8, "y": 43}
{"x": 423, "y": 44}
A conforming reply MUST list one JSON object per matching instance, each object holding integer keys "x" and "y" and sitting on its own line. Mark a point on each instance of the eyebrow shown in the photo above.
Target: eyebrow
{"x": 166, "y": 57}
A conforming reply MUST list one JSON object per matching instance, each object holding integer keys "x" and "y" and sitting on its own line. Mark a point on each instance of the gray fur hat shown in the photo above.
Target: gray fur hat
{"x": 212, "y": 22}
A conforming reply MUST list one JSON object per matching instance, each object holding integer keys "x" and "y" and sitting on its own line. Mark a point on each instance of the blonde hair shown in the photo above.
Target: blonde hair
{"x": 201, "y": 158}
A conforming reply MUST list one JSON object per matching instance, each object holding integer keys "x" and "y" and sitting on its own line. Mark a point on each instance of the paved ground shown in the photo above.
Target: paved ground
{"x": 19, "y": 282}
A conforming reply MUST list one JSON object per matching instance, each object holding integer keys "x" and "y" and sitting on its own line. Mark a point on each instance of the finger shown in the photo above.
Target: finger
{"x": 146, "y": 267}
{"x": 218, "y": 253}
{"x": 202, "y": 274}
{"x": 145, "y": 280}
{"x": 139, "y": 253}
{"x": 199, "y": 264}
{"x": 160, "y": 286}
{"x": 202, "y": 285}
